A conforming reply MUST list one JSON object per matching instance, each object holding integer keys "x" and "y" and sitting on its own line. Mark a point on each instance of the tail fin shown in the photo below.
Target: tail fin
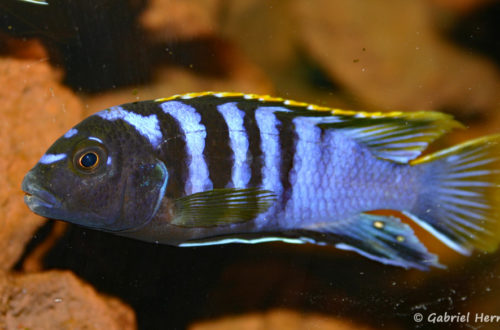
{"x": 460, "y": 198}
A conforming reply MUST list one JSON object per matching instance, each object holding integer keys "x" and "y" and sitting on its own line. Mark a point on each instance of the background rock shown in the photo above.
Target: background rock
{"x": 462, "y": 6}
{"x": 278, "y": 319}
{"x": 389, "y": 55}
{"x": 35, "y": 110}
{"x": 58, "y": 300}
{"x": 166, "y": 20}
{"x": 243, "y": 78}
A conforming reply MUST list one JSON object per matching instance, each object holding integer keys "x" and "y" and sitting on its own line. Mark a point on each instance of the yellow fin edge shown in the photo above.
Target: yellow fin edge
{"x": 455, "y": 149}
{"x": 417, "y": 115}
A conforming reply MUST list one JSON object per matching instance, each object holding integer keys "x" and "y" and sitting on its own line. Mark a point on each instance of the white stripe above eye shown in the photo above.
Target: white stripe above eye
{"x": 70, "y": 133}
{"x": 52, "y": 158}
{"x": 147, "y": 126}
{"x": 93, "y": 138}
{"x": 238, "y": 138}
{"x": 195, "y": 134}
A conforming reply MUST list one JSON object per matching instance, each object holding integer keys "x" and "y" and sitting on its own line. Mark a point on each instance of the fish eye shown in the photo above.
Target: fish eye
{"x": 89, "y": 158}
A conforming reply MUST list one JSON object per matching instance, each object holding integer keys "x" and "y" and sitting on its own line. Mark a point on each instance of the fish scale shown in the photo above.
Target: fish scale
{"x": 215, "y": 168}
{"x": 341, "y": 179}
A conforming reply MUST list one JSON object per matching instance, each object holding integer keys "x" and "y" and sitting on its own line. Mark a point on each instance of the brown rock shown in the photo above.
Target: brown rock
{"x": 166, "y": 20}
{"x": 29, "y": 49}
{"x": 462, "y": 6}
{"x": 244, "y": 78}
{"x": 35, "y": 110}
{"x": 390, "y": 55}
{"x": 58, "y": 300}
{"x": 268, "y": 33}
{"x": 278, "y": 319}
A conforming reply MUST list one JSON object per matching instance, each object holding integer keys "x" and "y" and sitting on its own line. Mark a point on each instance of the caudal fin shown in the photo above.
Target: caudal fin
{"x": 460, "y": 198}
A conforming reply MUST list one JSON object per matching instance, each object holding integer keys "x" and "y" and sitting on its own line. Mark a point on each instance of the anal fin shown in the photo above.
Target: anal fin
{"x": 382, "y": 238}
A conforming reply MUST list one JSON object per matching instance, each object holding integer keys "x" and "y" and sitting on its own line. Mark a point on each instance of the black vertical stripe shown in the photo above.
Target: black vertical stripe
{"x": 254, "y": 148}
{"x": 217, "y": 153}
{"x": 173, "y": 152}
{"x": 288, "y": 147}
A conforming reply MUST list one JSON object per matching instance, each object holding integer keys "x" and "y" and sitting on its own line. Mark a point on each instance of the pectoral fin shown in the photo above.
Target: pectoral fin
{"x": 221, "y": 207}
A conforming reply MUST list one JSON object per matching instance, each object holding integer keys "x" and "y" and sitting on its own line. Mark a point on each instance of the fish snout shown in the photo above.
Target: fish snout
{"x": 38, "y": 198}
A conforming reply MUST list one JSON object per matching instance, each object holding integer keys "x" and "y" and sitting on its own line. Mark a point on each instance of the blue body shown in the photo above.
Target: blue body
{"x": 332, "y": 176}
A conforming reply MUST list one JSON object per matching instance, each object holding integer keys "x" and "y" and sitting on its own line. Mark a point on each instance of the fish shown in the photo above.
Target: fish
{"x": 209, "y": 168}
{"x": 36, "y": 2}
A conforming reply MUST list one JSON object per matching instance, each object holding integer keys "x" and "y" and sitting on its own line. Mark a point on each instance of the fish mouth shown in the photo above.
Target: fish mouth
{"x": 37, "y": 197}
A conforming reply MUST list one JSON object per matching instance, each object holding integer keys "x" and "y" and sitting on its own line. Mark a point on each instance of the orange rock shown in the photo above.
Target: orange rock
{"x": 58, "y": 300}
{"x": 278, "y": 319}
{"x": 35, "y": 110}
{"x": 29, "y": 49}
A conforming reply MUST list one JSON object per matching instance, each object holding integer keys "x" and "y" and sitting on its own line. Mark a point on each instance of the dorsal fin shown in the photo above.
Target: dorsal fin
{"x": 396, "y": 136}
{"x": 399, "y": 137}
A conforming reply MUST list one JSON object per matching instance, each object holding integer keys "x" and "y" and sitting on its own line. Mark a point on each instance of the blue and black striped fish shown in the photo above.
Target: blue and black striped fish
{"x": 214, "y": 168}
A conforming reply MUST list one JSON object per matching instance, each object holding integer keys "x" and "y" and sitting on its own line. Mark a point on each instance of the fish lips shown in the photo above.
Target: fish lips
{"x": 38, "y": 199}
{"x": 44, "y": 203}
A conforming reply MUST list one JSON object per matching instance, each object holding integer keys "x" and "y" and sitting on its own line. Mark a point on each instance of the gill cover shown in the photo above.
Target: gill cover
{"x": 141, "y": 197}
